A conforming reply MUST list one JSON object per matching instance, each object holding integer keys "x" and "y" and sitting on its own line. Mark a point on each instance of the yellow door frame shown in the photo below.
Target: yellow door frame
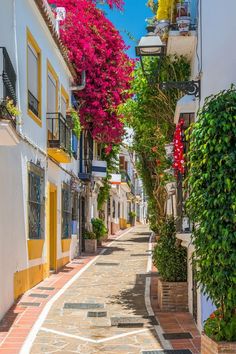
{"x": 52, "y": 239}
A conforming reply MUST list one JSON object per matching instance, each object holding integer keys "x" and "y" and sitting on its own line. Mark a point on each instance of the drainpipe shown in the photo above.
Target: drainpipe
{"x": 83, "y": 84}
{"x": 17, "y": 66}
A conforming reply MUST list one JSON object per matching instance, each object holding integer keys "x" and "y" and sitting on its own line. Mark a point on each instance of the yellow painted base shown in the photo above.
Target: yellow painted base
{"x": 65, "y": 245}
{"x": 62, "y": 261}
{"x": 35, "y": 249}
{"x": 128, "y": 225}
{"x": 123, "y": 223}
{"x": 59, "y": 155}
{"x": 27, "y": 278}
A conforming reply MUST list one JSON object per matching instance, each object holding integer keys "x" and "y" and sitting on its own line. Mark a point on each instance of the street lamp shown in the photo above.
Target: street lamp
{"x": 152, "y": 46}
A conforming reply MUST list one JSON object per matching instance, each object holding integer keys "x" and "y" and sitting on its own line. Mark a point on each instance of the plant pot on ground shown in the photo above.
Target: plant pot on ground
{"x": 170, "y": 259}
{"x": 99, "y": 229}
{"x": 132, "y": 216}
{"x": 90, "y": 242}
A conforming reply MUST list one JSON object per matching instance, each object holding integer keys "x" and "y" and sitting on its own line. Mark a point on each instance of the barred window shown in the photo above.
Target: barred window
{"x": 36, "y": 201}
{"x": 66, "y": 211}
{"x": 75, "y": 206}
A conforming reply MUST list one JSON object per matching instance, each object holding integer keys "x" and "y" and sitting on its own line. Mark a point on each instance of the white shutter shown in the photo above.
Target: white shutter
{"x": 33, "y": 71}
{"x": 63, "y": 106}
{"x": 51, "y": 94}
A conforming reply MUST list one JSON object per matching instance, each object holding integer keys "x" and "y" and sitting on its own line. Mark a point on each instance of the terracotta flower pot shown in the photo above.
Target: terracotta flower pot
{"x": 90, "y": 245}
{"x": 209, "y": 346}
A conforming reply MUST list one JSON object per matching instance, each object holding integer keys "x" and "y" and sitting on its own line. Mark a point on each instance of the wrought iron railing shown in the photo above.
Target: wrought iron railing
{"x": 33, "y": 103}
{"x": 8, "y": 76}
{"x": 175, "y": 27}
{"x": 59, "y": 132}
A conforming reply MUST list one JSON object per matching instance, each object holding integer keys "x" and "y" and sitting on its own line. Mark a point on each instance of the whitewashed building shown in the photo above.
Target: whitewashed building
{"x": 39, "y": 184}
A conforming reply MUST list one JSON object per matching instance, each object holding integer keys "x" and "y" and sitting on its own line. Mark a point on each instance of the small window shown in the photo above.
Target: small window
{"x": 33, "y": 76}
{"x": 36, "y": 207}
{"x": 66, "y": 211}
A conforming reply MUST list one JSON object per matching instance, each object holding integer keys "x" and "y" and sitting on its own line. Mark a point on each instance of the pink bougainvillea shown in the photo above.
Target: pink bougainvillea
{"x": 96, "y": 46}
{"x": 178, "y": 164}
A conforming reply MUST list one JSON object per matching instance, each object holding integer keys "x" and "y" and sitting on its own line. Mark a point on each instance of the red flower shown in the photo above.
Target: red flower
{"x": 178, "y": 163}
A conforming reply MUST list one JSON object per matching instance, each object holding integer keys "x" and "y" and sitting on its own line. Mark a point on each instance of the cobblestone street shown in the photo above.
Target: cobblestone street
{"x": 104, "y": 310}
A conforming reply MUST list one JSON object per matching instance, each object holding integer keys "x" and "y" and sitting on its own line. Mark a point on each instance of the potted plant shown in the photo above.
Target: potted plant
{"x": 183, "y": 17}
{"x": 90, "y": 241}
{"x": 170, "y": 259}
{"x": 211, "y": 205}
{"x": 99, "y": 228}
{"x": 8, "y": 110}
{"x": 132, "y": 216}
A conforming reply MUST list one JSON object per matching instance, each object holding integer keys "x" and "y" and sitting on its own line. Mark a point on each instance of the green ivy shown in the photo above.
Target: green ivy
{"x": 169, "y": 257}
{"x": 76, "y": 123}
{"x": 212, "y": 201}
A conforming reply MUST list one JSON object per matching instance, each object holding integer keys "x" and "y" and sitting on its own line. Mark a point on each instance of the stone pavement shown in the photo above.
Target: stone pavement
{"x": 104, "y": 311}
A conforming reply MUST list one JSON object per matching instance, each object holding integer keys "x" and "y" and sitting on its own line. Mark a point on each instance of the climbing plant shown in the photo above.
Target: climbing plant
{"x": 150, "y": 114}
{"x": 212, "y": 203}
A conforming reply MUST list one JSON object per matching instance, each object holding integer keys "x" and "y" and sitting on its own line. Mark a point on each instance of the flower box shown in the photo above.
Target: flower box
{"x": 90, "y": 245}
{"x": 209, "y": 346}
{"x": 172, "y": 296}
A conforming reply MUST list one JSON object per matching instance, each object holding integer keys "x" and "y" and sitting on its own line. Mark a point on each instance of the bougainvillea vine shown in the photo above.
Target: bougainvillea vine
{"x": 96, "y": 46}
{"x": 178, "y": 164}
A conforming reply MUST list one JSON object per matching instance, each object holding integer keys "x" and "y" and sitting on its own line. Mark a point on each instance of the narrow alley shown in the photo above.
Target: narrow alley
{"x": 104, "y": 309}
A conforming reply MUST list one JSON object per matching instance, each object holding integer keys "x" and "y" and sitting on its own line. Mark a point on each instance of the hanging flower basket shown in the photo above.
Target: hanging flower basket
{"x": 183, "y": 24}
{"x": 178, "y": 164}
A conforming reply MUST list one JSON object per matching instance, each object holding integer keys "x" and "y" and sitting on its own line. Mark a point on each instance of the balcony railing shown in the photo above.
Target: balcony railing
{"x": 33, "y": 103}
{"x": 59, "y": 132}
{"x": 125, "y": 178}
{"x": 8, "y": 76}
{"x": 85, "y": 169}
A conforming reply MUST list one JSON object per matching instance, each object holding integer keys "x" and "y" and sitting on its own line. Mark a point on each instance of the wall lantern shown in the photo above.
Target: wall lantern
{"x": 152, "y": 46}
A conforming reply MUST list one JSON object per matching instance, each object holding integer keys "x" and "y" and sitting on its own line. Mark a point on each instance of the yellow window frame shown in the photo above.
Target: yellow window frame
{"x": 34, "y": 44}
{"x": 54, "y": 75}
{"x": 65, "y": 94}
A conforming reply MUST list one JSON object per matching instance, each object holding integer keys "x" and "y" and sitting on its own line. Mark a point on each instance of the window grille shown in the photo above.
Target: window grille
{"x": 36, "y": 201}
{"x": 66, "y": 211}
{"x": 75, "y": 206}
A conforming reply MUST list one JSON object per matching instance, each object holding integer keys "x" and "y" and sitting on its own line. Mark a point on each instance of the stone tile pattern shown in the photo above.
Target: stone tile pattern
{"x": 121, "y": 289}
{"x": 176, "y": 322}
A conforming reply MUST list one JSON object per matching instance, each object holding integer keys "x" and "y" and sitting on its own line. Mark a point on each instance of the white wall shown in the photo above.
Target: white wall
{"x": 218, "y": 46}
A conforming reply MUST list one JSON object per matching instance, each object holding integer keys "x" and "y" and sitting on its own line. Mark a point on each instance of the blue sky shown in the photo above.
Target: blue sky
{"x": 131, "y": 20}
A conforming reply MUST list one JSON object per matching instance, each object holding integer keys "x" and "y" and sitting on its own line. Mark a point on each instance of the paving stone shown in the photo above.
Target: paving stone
{"x": 82, "y": 306}
{"x": 29, "y": 304}
{"x": 106, "y": 264}
{"x": 43, "y": 296}
{"x": 181, "y": 335}
{"x": 168, "y": 351}
{"x": 49, "y": 288}
{"x": 97, "y": 314}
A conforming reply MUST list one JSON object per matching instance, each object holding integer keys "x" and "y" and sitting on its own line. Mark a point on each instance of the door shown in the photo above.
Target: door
{"x": 82, "y": 220}
{"x": 53, "y": 228}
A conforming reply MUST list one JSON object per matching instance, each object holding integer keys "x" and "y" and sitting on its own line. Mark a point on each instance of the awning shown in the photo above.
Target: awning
{"x": 186, "y": 104}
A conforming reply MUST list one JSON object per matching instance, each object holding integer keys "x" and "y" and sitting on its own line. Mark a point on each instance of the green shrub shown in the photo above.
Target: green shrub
{"x": 89, "y": 235}
{"x": 212, "y": 201}
{"x": 99, "y": 228}
{"x": 220, "y": 328}
{"x": 169, "y": 257}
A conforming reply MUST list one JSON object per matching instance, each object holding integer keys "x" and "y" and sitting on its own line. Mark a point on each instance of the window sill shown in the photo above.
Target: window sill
{"x": 35, "y": 118}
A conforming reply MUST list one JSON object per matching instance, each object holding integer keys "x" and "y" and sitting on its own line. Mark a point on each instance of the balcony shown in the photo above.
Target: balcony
{"x": 85, "y": 170}
{"x": 8, "y": 133}
{"x": 59, "y": 137}
{"x": 125, "y": 181}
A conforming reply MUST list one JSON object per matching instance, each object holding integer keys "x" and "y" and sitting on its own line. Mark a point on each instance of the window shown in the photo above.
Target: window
{"x": 36, "y": 191}
{"x": 34, "y": 78}
{"x": 75, "y": 206}
{"x": 66, "y": 211}
{"x": 64, "y": 101}
{"x": 52, "y": 90}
